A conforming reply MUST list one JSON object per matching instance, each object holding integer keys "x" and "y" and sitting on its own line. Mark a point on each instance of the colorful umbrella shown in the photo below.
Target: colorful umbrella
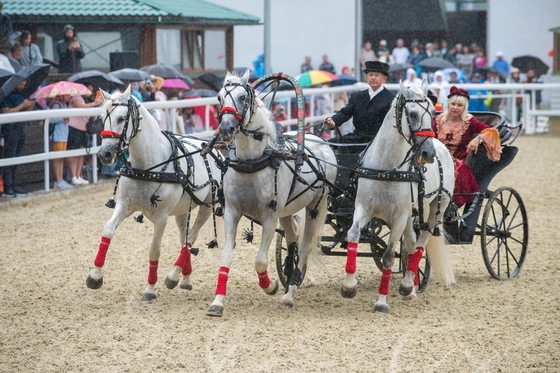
{"x": 61, "y": 88}
{"x": 175, "y": 83}
{"x": 314, "y": 77}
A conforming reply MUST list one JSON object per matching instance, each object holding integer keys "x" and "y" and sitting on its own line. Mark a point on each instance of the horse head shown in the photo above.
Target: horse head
{"x": 239, "y": 106}
{"x": 120, "y": 110}
{"x": 416, "y": 109}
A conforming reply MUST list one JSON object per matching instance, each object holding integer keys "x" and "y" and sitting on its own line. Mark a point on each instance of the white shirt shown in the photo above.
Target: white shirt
{"x": 373, "y": 93}
{"x": 401, "y": 54}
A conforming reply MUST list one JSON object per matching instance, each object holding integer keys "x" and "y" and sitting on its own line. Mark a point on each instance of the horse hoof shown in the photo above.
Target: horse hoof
{"x": 405, "y": 290}
{"x": 186, "y": 286}
{"x": 94, "y": 284}
{"x": 148, "y": 297}
{"x": 215, "y": 311}
{"x": 348, "y": 292}
{"x": 381, "y": 308}
{"x": 170, "y": 284}
{"x": 275, "y": 290}
{"x": 287, "y": 303}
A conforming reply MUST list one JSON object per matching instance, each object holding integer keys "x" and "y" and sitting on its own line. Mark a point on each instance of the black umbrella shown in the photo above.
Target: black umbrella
{"x": 4, "y": 76}
{"x": 526, "y": 63}
{"x": 34, "y": 74}
{"x": 400, "y": 66}
{"x": 167, "y": 72}
{"x": 212, "y": 80}
{"x": 200, "y": 93}
{"x": 435, "y": 63}
{"x": 98, "y": 79}
{"x": 132, "y": 75}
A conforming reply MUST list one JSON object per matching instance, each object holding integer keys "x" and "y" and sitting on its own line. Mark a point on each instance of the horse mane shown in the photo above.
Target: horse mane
{"x": 262, "y": 115}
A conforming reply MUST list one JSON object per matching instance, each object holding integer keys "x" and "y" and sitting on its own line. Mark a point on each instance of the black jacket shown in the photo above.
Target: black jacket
{"x": 69, "y": 61}
{"x": 368, "y": 115}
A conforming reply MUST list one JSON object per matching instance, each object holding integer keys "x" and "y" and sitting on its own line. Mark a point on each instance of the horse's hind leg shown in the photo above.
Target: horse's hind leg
{"x": 349, "y": 287}
{"x": 269, "y": 286}
{"x": 410, "y": 281}
{"x": 95, "y": 277}
{"x": 153, "y": 254}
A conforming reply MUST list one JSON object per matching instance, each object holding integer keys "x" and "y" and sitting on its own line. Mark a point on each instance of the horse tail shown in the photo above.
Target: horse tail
{"x": 440, "y": 260}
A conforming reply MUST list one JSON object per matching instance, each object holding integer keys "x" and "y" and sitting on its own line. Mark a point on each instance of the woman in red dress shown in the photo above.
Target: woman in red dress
{"x": 462, "y": 133}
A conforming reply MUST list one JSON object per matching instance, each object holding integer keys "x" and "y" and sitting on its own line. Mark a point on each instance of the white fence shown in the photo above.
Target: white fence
{"x": 529, "y": 111}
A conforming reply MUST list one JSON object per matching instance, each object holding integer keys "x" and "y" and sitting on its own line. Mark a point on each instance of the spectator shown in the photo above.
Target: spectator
{"x": 306, "y": 66}
{"x": 462, "y": 134}
{"x": 6, "y": 29}
{"x": 59, "y": 138}
{"x": 77, "y": 135}
{"x": 258, "y": 65}
{"x": 14, "y": 138}
{"x": 531, "y": 77}
{"x": 412, "y": 79}
{"x": 367, "y": 107}
{"x": 366, "y": 54}
{"x": 278, "y": 112}
{"x": 479, "y": 61}
{"x": 451, "y": 55}
{"x": 15, "y": 56}
{"x": 382, "y": 48}
{"x": 441, "y": 88}
{"x": 387, "y": 58}
{"x": 415, "y": 59}
{"x": 429, "y": 52}
{"x": 514, "y": 77}
{"x": 326, "y": 65}
{"x": 31, "y": 53}
{"x": 493, "y": 103}
{"x": 444, "y": 48}
{"x": 400, "y": 52}
{"x": 465, "y": 61}
{"x": 501, "y": 65}
{"x": 192, "y": 121}
{"x": 453, "y": 79}
{"x": 69, "y": 52}
{"x": 477, "y": 103}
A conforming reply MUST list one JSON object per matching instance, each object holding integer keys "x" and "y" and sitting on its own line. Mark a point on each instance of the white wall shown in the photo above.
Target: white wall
{"x": 520, "y": 27}
{"x": 298, "y": 28}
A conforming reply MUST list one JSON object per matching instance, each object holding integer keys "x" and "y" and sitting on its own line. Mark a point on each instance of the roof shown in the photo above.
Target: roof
{"x": 125, "y": 11}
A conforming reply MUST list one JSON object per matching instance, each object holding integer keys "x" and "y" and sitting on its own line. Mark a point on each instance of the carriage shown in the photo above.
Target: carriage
{"x": 503, "y": 228}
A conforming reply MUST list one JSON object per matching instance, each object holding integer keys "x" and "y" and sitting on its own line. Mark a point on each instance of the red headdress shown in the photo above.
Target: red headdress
{"x": 454, "y": 91}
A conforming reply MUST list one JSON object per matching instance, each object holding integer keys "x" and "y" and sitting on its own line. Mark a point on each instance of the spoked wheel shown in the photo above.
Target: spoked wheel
{"x": 504, "y": 233}
{"x": 378, "y": 247}
{"x": 283, "y": 265}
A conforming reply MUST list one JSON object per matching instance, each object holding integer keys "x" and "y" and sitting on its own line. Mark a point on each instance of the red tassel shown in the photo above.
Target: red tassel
{"x": 102, "y": 252}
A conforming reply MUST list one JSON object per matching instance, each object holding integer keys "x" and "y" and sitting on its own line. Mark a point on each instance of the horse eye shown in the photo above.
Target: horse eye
{"x": 413, "y": 115}
{"x": 242, "y": 98}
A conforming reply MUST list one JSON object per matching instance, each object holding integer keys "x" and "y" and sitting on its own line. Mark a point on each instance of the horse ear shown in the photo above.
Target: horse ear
{"x": 106, "y": 96}
{"x": 245, "y": 77}
{"x": 425, "y": 86}
{"x": 126, "y": 93}
{"x": 403, "y": 88}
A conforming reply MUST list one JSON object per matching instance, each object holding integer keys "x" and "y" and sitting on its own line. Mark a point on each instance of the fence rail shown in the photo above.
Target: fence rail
{"x": 529, "y": 109}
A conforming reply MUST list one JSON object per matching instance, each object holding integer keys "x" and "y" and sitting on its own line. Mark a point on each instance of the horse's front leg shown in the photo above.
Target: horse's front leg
{"x": 153, "y": 255}
{"x": 95, "y": 277}
{"x": 269, "y": 286}
{"x": 231, "y": 220}
{"x": 410, "y": 281}
{"x": 349, "y": 287}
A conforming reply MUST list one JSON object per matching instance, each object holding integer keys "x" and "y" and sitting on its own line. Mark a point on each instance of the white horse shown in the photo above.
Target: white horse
{"x": 263, "y": 184}
{"x": 164, "y": 175}
{"x": 391, "y": 188}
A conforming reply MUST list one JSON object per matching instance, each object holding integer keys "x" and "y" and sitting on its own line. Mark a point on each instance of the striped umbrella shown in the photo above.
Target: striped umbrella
{"x": 61, "y": 88}
{"x": 315, "y": 77}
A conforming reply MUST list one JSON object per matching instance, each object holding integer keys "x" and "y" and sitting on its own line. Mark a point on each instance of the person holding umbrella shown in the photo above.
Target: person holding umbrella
{"x": 69, "y": 52}
{"x": 14, "y": 137}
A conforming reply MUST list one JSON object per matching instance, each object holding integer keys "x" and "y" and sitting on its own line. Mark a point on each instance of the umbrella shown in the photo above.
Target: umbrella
{"x": 435, "y": 63}
{"x": 200, "y": 93}
{"x": 526, "y": 63}
{"x": 315, "y": 77}
{"x": 61, "y": 88}
{"x": 34, "y": 74}
{"x": 4, "y": 76}
{"x": 175, "y": 83}
{"x": 213, "y": 81}
{"x": 132, "y": 75}
{"x": 98, "y": 79}
{"x": 400, "y": 66}
{"x": 344, "y": 79}
{"x": 167, "y": 72}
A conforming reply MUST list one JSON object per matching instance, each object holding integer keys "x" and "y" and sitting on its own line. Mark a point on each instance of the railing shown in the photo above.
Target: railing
{"x": 528, "y": 109}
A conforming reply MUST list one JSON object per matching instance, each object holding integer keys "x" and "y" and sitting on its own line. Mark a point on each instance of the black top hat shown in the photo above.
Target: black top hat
{"x": 377, "y": 66}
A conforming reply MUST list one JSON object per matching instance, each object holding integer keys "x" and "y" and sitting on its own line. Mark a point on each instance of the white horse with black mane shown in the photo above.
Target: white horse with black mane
{"x": 262, "y": 182}
{"x": 162, "y": 175}
{"x": 406, "y": 178}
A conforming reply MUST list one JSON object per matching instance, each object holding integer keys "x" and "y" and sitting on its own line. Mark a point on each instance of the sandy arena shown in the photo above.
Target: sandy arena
{"x": 51, "y": 322}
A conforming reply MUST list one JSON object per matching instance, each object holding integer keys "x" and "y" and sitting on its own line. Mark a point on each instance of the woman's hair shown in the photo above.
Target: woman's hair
{"x": 24, "y": 35}
{"x": 457, "y": 98}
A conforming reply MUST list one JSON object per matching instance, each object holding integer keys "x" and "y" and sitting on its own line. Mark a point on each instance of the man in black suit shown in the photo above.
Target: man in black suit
{"x": 367, "y": 108}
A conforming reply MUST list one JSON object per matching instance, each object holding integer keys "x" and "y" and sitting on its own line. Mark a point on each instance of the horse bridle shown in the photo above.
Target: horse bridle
{"x": 249, "y": 106}
{"x": 132, "y": 115}
{"x": 400, "y": 105}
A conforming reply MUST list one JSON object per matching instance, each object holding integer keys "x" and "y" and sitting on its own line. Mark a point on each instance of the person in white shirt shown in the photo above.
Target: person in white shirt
{"x": 400, "y": 52}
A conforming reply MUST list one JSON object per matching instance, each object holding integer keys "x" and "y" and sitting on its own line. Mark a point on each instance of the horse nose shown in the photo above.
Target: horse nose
{"x": 428, "y": 157}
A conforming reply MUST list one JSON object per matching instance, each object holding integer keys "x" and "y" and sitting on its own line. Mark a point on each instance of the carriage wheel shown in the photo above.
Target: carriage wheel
{"x": 281, "y": 252}
{"x": 504, "y": 233}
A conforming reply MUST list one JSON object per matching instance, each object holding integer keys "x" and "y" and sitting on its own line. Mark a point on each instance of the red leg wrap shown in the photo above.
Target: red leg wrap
{"x": 264, "y": 280}
{"x": 184, "y": 260}
{"x": 385, "y": 281}
{"x": 222, "y": 281}
{"x": 351, "y": 254}
{"x": 413, "y": 261}
{"x": 102, "y": 252}
{"x": 152, "y": 274}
